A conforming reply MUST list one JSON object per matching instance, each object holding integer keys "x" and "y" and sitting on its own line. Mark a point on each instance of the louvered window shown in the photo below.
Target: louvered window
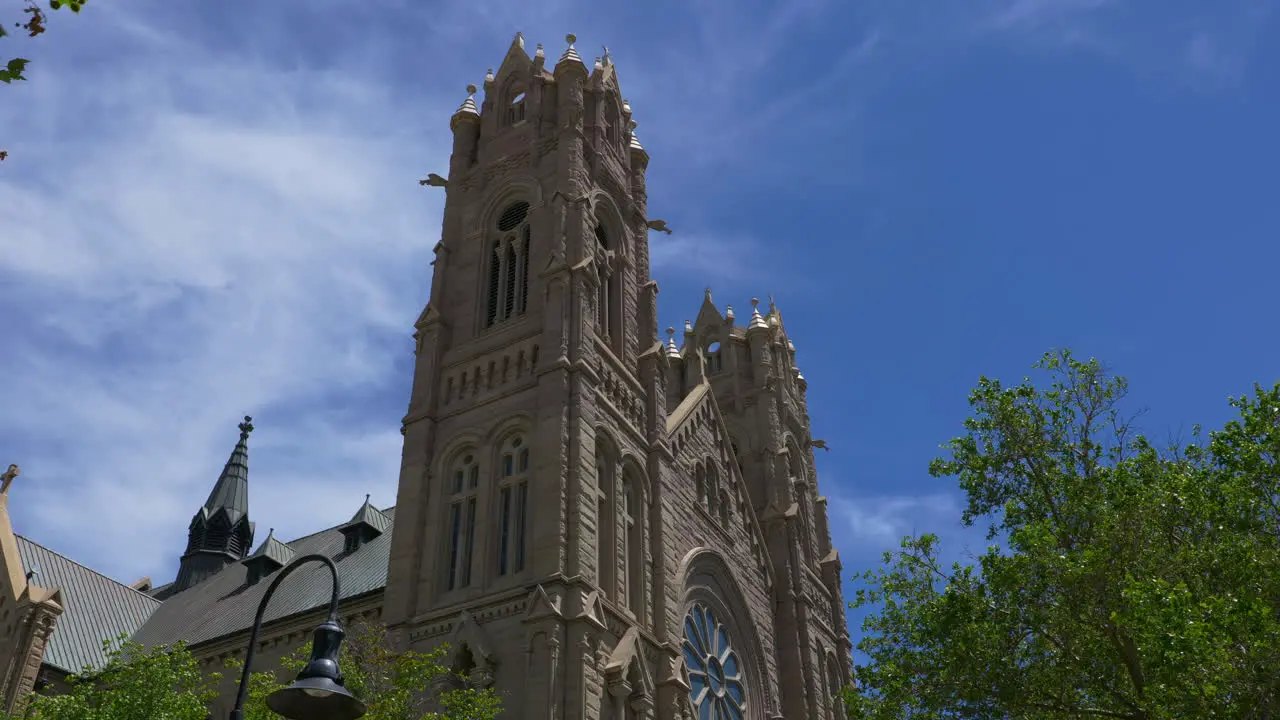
{"x": 508, "y": 257}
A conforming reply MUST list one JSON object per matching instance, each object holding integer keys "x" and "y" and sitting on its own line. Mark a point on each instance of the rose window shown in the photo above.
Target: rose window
{"x": 715, "y": 673}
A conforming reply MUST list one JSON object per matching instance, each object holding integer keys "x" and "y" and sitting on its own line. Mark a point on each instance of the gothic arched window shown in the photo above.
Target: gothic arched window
{"x": 713, "y": 488}
{"x": 800, "y": 486}
{"x": 608, "y": 301}
{"x": 716, "y": 684}
{"x": 700, "y": 483}
{"x": 715, "y": 362}
{"x": 507, "y": 295}
{"x": 606, "y": 521}
{"x": 513, "y": 506}
{"x": 464, "y": 481}
{"x": 631, "y": 507}
{"x": 515, "y": 110}
{"x": 613, "y": 121}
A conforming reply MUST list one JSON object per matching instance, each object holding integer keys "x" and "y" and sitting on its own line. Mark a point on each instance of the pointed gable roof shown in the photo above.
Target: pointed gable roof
{"x": 709, "y": 316}
{"x": 368, "y": 516}
{"x": 516, "y": 60}
{"x": 273, "y": 551}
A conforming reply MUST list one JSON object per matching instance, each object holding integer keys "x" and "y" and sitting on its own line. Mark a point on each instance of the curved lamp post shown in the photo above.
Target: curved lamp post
{"x": 318, "y": 693}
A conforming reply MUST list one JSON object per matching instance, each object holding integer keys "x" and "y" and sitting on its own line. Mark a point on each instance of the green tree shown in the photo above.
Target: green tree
{"x": 394, "y": 685}
{"x": 1123, "y": 580}
{"x": 136, "y": 682}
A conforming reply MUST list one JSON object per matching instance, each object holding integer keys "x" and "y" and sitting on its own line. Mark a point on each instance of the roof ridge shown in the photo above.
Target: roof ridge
{"x": 86, "y": 567}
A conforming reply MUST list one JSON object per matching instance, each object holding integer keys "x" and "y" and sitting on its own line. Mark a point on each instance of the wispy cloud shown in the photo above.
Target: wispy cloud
{"x": 221, "y": 245}
{"x": 878, "y": 522}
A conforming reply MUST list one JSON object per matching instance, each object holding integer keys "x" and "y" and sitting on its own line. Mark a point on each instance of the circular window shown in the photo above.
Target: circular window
{"x": 516, "y": 442}
{"x": 716, "y": 686}
{"x": 467, "y": 460}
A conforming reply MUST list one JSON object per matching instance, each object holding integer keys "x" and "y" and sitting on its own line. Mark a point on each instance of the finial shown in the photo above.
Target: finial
{"x": 626, "y": 106}
{"x": 688, "y": 327}
{"x": 270, "y": 532}
{"x": 728, "y": 312}
{"x": 570, "y": 53}
{"x": 539, "y": 52}
{"x": 366, "y": 498}
{"x": 597, "y": 65}
{"x": 635, "y": 141}
{"x": 671, "y": 334}
{"x": 488, "y": 76}
{"x": 757, "y": 322}
{"x": 606, "y": 57}
{"x": 708, "y": 292}
{"x": 772, "y": 307}
{"x": 246, "y": 427}
{"x": 472, "y": 89}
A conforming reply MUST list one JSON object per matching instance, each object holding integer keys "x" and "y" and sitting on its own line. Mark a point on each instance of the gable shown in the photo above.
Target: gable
{"x": 699, "y": 436}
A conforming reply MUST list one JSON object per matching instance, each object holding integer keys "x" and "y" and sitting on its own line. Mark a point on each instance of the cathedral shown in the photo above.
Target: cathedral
{"x": 601, "y": 521}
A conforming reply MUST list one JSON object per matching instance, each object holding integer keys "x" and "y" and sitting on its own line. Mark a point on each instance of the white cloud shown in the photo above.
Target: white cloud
{"x": 879, "y": 522}
{"x": 182, "y": 267}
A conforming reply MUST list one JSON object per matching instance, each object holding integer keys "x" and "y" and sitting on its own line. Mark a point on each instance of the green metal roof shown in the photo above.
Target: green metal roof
{"x": 95, "y": 608}
{"x": 371, "y": 516}
{"x": 226, "y": 603}
{"x": 274, "y": 550}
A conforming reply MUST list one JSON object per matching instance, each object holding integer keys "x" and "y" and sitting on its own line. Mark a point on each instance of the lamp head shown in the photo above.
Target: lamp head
{"x": 318, "y": 693}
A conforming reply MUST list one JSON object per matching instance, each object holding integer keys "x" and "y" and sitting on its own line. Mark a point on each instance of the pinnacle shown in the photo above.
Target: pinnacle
{"x": 570, "y": 53}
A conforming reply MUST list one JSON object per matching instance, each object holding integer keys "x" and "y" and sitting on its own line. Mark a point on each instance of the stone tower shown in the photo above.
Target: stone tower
{"x": 572, "y": 517}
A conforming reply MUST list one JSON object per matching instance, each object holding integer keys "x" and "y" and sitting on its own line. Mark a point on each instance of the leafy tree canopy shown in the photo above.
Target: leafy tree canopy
{"x": 137, "y": 682}
{"x": 393, "y": 685}
{"x": 1123, "y": 580}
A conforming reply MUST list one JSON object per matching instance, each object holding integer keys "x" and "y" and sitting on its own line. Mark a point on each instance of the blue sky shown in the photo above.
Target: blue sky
{"x": 211, "y": 212}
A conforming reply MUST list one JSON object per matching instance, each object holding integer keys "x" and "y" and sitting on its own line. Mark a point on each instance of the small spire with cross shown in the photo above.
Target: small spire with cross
{"x": 246, "y": 427}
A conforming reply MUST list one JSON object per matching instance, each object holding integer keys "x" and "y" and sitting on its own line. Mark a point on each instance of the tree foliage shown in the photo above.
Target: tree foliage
{"x": 1132, "y": 581}
{"x": 33, "y": 24}
{"x": 394, "y": 685}
{"x": 136, "y": 682}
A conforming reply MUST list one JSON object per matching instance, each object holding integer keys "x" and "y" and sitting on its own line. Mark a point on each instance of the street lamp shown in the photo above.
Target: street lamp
{"x": 318, "y": 693}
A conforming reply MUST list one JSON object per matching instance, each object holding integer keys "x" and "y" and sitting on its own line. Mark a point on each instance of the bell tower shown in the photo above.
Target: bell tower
{"x": 514, "y": 499}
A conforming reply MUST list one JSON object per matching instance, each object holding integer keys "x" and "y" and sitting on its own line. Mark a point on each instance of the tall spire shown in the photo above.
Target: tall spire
{"x": 231, "y": 492}
{"x": 220, "y": 532}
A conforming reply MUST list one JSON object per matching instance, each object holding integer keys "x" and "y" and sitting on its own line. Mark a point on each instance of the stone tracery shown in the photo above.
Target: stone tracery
{"x": 717, "y": 688}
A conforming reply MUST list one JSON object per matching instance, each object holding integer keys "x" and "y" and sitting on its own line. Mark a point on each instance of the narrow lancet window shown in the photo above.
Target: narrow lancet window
{"x": 507, "y": 289}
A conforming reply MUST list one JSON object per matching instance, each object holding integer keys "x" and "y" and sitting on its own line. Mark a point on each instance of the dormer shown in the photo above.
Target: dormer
{"x": 269, "y": 557}
{"x": 368, "y": 523}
